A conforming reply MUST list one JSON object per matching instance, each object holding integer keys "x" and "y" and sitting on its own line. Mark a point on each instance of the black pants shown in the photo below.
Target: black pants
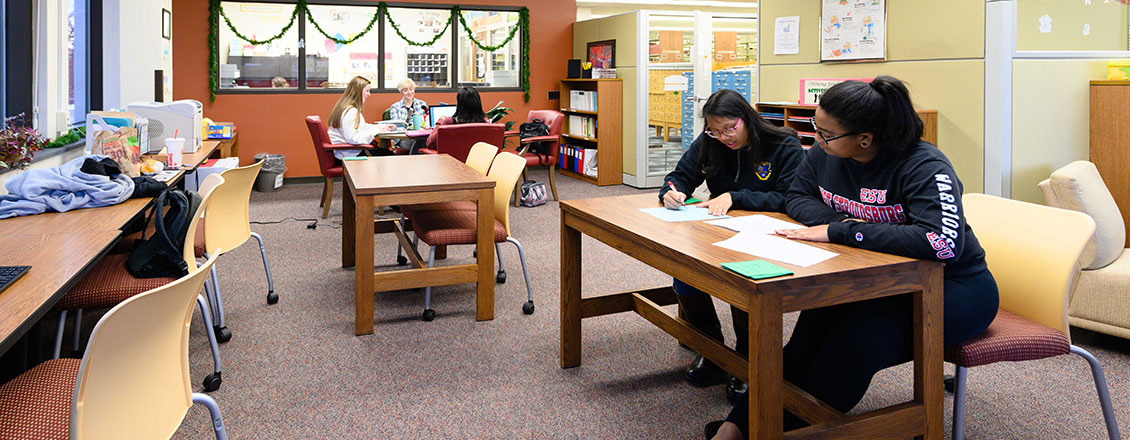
{"x": 835, "y": 351}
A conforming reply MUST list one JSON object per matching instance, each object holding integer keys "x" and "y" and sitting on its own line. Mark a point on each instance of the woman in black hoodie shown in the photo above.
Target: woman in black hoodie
{"x": 747, "y": 163}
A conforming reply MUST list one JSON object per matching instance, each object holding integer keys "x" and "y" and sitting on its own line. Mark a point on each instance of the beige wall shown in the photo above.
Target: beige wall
{"x": 936, "y": 47}
{"x": 1050, "y": 119}
{"x": 621, "y": 28}
{"x": 1107, "y": 22}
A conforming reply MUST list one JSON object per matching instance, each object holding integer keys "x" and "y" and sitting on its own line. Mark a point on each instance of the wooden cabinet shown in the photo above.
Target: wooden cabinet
{"x": 1110, "y": 141}
{"x": 594, "y": 122}
{"x": 798, "y": 117}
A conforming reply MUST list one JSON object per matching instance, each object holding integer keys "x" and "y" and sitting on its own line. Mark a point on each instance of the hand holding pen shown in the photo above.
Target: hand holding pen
{"x": 674, "y": 199}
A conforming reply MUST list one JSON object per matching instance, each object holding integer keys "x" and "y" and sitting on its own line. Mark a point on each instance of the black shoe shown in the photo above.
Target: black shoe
{"x": 703, "y": 373}
{"x": 736, "y": 390}
{"x": 712, "y": 428}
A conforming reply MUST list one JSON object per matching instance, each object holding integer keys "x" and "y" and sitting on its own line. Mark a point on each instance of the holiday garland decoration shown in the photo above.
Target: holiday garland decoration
{"x": 216, "y": 10}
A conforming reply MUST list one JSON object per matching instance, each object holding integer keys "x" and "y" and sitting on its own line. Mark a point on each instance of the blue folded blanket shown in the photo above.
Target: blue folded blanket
{"x": 61, "y": 189}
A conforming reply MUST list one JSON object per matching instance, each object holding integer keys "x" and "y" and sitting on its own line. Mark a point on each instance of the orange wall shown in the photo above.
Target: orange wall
{"x": 274, "y": 123}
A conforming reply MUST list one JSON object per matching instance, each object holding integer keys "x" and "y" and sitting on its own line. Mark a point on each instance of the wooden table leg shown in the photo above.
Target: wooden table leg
{"x": 363, "y": 272}
{"x": 348, "y": 208}
{"x": 766, "y": 379}
{"x": 484, "y": 306}
{"x": 571, "y": 295}
{"x": 928, "y": 352}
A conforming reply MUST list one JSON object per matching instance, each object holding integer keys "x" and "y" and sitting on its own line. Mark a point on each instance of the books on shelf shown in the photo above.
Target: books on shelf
{"x": 583, "y": 100}
{"x": 582, "y": 126}
{"x": 578, "y": 159}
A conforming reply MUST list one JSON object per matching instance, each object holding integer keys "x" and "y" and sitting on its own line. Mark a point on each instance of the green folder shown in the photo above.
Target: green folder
{"x": 355, "y": 158}
{"x": 756, "y": 269}
{"x": 691, "y": 200}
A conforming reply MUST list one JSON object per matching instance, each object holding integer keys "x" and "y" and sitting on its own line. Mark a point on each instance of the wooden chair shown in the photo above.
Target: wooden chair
{"x": 456, "y": 139}
{"x": 457, "y": 225}
{"x": 132, "y": 382}
{"x": 329, "y": 166}
{"x": 109, "y": 283}
{"x": 556, "y": 122}
{"x": 1033, "y": 252}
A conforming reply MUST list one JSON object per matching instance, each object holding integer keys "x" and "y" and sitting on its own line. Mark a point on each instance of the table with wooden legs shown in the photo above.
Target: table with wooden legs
{"x": 685, "y": 251}
{"x": 406, "y": 180}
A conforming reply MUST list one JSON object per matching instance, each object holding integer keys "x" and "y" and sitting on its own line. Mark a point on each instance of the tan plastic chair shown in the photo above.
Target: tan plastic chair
{"x": 109, "y": 283}
{"x": 481, "y": 156}
{"x": 227, "y": 225}
{"x": 450, "y": 226}
{"x": 1033, "y": 252}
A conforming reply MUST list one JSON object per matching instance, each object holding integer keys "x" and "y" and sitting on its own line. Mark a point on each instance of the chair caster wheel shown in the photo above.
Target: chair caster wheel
{"x": 950, "y": 383}
{"x": 501, "y": 277}
{"x": 429, "y": 315}
{"x": 401, "y": 260}
{"x": 272, "y": 297}
{"x": 223, "y": 334}
{"x": 212, "y": 382}
{"x": 528, "y": 308}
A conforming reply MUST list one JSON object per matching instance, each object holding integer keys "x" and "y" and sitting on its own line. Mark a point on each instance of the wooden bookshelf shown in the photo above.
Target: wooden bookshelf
{"x": 609, "y": 128}
{"x": 1110, "y": 146}
{"x": 797, "y": 116}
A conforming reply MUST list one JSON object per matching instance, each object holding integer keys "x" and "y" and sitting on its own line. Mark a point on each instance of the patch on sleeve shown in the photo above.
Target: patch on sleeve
{"x": 764, "y": 170}
{"x": 858, "y": 236}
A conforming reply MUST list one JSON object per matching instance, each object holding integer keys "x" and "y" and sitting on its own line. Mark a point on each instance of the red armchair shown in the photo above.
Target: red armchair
{"x": 327, "y": 163}
{"x": 556, "y": 121}
{"x": 456, "y": 140}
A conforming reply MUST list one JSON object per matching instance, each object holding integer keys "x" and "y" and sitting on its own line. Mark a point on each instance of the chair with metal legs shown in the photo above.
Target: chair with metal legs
{"x": 1034, "y": 284}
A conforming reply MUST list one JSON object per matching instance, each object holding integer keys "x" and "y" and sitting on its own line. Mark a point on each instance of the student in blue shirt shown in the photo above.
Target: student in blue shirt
{"x": 747, "y": 163}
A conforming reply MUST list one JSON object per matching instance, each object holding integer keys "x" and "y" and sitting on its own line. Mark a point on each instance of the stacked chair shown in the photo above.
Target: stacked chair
{"x": 454, "y": 223}
{"x": 1035, "y": 278}
{"x": 131, "y": 384}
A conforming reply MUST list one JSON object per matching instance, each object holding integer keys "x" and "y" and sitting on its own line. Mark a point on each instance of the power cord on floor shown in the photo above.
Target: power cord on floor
{"x": 312, "y": 225}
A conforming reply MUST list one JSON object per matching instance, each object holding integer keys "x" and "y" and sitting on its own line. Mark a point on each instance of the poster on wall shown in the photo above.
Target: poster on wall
{"x": 853, "y": 30}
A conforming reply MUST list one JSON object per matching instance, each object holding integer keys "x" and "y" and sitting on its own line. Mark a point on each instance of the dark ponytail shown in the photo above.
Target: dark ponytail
{"x": 881, "y": 107}
{"x": 763, "y": 135}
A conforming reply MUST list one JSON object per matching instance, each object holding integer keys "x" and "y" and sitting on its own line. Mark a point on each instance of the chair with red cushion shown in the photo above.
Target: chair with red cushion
{"x": 1035, "y": 283}
{"x": 556, "y": 122}
{"x": 327, "y": 163}
{"x": 456, "y": 140}
{"x": 457, "y": 224}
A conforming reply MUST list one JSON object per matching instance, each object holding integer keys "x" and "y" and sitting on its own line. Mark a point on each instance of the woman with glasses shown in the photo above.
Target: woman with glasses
{"x": 747, "y": 163}
{"x": 873, "y": 184}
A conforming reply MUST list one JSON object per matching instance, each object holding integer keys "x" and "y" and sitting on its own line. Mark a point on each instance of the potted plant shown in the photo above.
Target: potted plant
{"x": 496, "y": 114}
{"x": 18, "y": 143}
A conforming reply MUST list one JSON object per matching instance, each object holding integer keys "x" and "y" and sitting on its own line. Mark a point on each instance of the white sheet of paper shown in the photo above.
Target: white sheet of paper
{"x": 776, "y": 248}
{"x": 761, "y": 224}
{"x": 686, "y": 214}
{"x": 786, "y": 36}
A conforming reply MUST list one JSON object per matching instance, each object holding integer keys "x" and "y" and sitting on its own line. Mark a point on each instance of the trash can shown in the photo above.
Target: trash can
{"x": 271, "y": 175}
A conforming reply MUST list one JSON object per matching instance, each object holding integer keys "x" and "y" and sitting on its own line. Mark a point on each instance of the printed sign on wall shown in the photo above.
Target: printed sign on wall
{"x": 812, "y": 88}
{"x": 853, "y": 30}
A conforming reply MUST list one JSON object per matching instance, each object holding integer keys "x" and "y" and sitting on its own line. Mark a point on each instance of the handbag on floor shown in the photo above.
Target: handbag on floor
{"x": 533, "y": 193}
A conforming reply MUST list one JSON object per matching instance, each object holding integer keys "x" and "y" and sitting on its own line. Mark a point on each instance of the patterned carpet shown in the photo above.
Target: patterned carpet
{"x": 294, "y": 370}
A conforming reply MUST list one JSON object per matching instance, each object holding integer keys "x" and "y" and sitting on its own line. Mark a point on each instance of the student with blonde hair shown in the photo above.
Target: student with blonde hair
{"x": 347, "y": 123}
{"x": 407, "y": 107}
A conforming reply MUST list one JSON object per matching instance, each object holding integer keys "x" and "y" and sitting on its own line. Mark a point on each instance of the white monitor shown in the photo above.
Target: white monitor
{"x": 437, "y": 112}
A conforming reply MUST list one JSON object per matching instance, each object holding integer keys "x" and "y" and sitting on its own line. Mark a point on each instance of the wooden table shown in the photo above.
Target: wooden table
{"x": 404, "y": 180}
{"x": 684, "y": 251}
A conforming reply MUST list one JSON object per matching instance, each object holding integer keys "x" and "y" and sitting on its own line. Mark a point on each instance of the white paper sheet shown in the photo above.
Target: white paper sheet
{"x": 684, "y": 214}
{"x": 776, "y": 248}
{"x": 786, "y": 36}
{"x": 761, "y": 224}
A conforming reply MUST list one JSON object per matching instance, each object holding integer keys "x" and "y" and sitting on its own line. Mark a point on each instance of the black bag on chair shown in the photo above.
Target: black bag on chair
{"x": 161, "y": 255}
{"x": 534, "y": 128}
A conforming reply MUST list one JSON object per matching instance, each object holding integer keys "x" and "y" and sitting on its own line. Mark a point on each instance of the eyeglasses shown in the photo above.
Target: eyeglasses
{"x": 726, "y": 132}
{"x": 820, "y": 133}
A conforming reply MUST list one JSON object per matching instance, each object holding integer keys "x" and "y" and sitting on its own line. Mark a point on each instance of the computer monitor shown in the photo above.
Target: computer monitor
{"x": 439, "y": 111}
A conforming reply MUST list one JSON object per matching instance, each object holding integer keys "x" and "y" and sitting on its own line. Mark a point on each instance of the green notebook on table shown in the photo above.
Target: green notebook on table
{"x": 355, "y": 158}
{"x": 691, "y": 200}
{"x": 756, "y": 269}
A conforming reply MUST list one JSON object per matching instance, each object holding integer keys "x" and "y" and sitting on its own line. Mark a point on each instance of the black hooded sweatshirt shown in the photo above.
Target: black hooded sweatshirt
{"x": 910, "y": 204}
{"x": 754, "y": 185}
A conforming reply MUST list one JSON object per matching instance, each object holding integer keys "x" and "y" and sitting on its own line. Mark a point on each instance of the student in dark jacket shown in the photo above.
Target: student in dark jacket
{"x": 468, "y": 109}
{"x": 747, "y": 163}
{"x": 873, "y": 184}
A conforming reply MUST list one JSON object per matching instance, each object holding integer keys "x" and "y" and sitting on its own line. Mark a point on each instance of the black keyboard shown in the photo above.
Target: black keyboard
{"x": 9, "y": 274}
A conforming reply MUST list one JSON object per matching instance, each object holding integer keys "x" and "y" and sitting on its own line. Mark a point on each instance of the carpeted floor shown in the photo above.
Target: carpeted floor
{"x": 295, "y": 370}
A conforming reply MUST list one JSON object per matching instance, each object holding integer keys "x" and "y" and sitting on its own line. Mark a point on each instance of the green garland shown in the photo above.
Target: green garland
{"x": 216, "y": 10}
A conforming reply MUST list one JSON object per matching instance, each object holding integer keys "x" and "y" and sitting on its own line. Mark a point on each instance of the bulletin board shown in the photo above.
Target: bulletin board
{"x": 853, "y": 30}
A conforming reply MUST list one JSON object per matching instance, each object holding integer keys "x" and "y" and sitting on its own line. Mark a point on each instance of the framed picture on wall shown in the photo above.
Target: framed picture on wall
{"x": 166, "y": 24}
{"x": 853, "y": 30}
{"x": 602, "y": 54}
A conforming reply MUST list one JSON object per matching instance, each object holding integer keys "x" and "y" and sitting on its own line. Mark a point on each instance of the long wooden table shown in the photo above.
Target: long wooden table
{"x": 685, "y": 251}
{"x": 405, "y": 180}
